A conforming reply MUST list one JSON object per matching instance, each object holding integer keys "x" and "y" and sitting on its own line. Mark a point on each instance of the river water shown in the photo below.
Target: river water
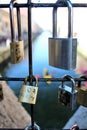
{"x": 48, "y": 113}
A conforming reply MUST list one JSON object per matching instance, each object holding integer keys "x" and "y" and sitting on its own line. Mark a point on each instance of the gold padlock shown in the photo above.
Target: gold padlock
{"x": 28, "y": 94}
{"x": 16, "y": 50}
{"x": 82, "y": 96}
{"x": 16, "y": 47}
{"x": 82, "y": 93}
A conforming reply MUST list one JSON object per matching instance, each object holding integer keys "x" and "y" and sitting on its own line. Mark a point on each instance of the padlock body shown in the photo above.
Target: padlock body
{"x": 82, "y": 96}
{"x": 63, "y": 53}
{"x": 17, "y": 52}
{"x": 28, "y": 94}
{"x": 67, "y": 97}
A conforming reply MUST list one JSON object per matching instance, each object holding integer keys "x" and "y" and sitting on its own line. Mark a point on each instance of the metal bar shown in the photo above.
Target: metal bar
{"x": 11, "y": 79}
{"x": 42, "y": 5}
{"x": 30, "y": 57}
{"x": 41, "y": 79}
{"x": 54, "y": 5}
{"x": 29, "y": 41}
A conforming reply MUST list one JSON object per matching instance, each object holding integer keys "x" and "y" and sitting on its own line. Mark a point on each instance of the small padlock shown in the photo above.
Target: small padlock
{"x": 29, "y": 127}
{"x": 28, "y": 94}
{"x": 63, "y": 51}
{"x": 66, "y": 94}
{"x": 82, "y": 93}
{"x": 16, "y": 47}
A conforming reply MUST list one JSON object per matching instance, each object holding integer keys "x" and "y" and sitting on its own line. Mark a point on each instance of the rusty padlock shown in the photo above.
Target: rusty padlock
{"x": 63, "y": 51}
{"x": 28, "y": 94}
{"x": 16, "y": 46}
{"x": 82, "y": 93}
{"x": 66, "y": 94}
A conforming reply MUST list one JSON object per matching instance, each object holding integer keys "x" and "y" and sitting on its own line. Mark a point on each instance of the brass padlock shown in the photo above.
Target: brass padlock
{"x": 63, "y": 51}
{"x": 28, "y": 94}
{"x": 66, "y": 94}
{"x": 16, "y": 47}
{"x": 82, "y": 93}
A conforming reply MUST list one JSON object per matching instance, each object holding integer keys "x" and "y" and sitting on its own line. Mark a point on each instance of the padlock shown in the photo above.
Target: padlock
{"x": 29, "y": 127}
{"x": 16, "y": 47}
{"x": 82, "y": 93}
{"x": 66, "y": 94}
{"x": 28, "y": 94}
{"x": 75, "y": 127}
{"x": 63, "y": 51}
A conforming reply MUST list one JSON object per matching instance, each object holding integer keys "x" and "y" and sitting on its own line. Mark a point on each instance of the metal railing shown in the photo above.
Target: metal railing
{"x": 30, "y": 5}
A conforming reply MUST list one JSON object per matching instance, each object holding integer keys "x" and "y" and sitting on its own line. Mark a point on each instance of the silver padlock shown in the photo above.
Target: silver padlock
{"x": 16, "y": 47}
{"x": 28, "y": 94}
{"x": 67, "y": 95}
{"x": 29, "y": 127}
{"x": 63, "y": 51}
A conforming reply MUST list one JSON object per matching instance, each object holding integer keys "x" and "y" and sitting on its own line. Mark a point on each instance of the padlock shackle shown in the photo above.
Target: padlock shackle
{"x": 25, "y": 80}
{"x": 19, "y": 24}
{"x": 54, "y": 22}
{"x": 70, "y": 18}
{"x": 33, "y": 77}
{"x": 82, "y": 77}
{"x": 68, "y": 77}
{"x": 36, "y": 81}
{"x": 13, "y": 34}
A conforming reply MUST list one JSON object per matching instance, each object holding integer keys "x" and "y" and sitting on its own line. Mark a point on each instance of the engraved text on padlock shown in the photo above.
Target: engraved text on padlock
{"x": 17, "y": 51}
{"x": 28, "y": 94}
{"x": 16, "y": 46}
{"x": 67, "y": 95}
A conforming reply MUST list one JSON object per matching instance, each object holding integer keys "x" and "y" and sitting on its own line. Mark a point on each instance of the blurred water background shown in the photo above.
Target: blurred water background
{"x": 48, "y": 113}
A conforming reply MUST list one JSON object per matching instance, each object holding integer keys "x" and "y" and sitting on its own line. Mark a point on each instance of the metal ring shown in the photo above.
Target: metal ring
{"x": 36, "y": 81}
{"x": 82, "y": 77}
{"x": 31, "y": 78}
{"x": 70, "y": 17}
{"x": 13, "y": 33}
{"x": 71, "y": 79}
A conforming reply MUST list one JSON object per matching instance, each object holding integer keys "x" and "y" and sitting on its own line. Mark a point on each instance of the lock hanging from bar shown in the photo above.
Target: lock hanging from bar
{"x": 82, "y": 93}
{"x": 66, "y": 94}
{"x": 29, "y": 127}
{"x": 16, "y": 47}
{"x": 63, "y": 51}
{"x": 28, "y": 94}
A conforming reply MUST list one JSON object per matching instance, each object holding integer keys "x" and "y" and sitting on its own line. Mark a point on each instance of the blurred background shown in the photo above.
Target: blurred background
{"x": 48, "y": 112}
